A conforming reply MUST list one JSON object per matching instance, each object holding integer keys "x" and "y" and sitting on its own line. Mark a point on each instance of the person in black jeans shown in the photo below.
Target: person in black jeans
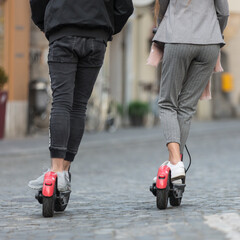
{"x": 78, "y": 32}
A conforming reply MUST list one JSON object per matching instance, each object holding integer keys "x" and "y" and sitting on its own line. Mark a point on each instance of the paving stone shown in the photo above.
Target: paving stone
{"x": 110, "y": 187}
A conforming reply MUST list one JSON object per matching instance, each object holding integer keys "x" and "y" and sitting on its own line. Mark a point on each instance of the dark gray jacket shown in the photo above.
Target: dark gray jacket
{"x": 197, "y": 22}
{"x": 90, "y": 18}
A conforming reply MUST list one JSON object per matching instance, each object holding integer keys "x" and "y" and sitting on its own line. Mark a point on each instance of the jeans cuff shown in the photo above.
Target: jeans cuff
{"x": 69, "y": 156}
{"x": 57, "y": 153}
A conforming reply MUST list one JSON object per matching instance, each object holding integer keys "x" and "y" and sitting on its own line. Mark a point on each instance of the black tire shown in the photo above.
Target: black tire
{"x": 59, "y": 205}
{"x": 162, "y": 197}
{"x": 175, "y": 202}
{"x": 48, "y": 205}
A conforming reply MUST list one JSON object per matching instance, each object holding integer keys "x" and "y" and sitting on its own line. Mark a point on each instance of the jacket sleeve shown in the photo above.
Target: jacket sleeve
{"x": 222, "y": 10}
{"x": 123, "y": 9}
{"x": 38, "y": 8}
{"x": 163, "y": 8}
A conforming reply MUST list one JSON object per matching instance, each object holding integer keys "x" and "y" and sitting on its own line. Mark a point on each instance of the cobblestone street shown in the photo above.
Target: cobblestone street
{"x": 110, "y": 187}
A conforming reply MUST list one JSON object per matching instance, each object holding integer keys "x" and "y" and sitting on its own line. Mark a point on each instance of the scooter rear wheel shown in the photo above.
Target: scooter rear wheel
{"x": 162, "y": 196}
{"x": 48, "y": 205}
{"x": 175, "y": 202}
{"x": 61, "y": 204}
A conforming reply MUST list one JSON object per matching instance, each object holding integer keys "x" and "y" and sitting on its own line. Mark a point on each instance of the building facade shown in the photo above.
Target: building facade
{"x": 226, "y": 102}
{"x": 232, "y": 51}
{"x": 14, "y": 57}
{"x": 1, "y": 32}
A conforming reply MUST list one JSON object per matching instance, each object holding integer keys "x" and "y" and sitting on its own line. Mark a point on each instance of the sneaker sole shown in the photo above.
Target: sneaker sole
{"x": 178, "y": 177}
{"x": 34, "y": 188}
{"x": 40, "y": 188}
{"x": 64, "y": 190}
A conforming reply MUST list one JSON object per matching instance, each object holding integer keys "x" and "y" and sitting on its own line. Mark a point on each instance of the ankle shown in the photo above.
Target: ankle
{"x": 57, "y": 164}
{"x": 57, "y": 170}
{"x": 66, "y": 165}
{"x": 174, "y": 161}
{"x": 174, "y": 153}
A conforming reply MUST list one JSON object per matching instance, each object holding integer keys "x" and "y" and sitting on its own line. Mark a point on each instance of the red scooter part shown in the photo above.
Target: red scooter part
{"x": 49, "y": 184}
{"x": 50, "y": 198}
{"x": 163, "y": 187}
{"x": 162, "y": 177}
{"x": 49, "y": 192}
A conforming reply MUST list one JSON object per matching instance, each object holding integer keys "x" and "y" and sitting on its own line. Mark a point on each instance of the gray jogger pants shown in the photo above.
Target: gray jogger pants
{"x": 186, "y": 70}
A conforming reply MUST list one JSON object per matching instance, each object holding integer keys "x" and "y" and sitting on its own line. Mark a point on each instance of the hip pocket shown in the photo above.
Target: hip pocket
{"x": 98, "y": 49}
{"x": 61, "y": 50}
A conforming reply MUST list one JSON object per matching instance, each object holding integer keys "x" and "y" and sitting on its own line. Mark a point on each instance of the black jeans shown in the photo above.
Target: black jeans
{"x": 74, "y": 64}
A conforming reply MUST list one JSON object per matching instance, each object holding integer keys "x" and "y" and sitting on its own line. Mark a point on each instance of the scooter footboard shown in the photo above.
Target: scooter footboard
{"x": 49, "y": 183}
{"x": 162, "y": 177}
{"x": 178, "y": 190}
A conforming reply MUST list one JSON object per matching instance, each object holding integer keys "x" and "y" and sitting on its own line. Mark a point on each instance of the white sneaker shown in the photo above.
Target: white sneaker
{"x": 64, "y": 183}
{"x": 37, "y": 184}
{"x": 177, "y": 171}
{"x": 155, "y": 180}
{"x": 68, "y": 178}
{"x": 178, "y": 181}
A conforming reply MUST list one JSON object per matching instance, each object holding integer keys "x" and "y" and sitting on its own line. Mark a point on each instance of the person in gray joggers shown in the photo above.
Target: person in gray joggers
{"x": 190, "y": 34}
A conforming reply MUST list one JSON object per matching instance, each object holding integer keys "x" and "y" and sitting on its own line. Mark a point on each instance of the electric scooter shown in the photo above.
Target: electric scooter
{"x": 50, "y": 198}
{"x": 164, "y": 189}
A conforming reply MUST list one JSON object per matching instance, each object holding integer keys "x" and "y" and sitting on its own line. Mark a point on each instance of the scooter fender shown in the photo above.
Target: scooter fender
{"x": 162, "y": 177}
{"x": 49, "y": 182}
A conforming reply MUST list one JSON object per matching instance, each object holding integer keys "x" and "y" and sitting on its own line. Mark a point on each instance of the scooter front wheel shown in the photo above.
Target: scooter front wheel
{"x": 162, "y": 197}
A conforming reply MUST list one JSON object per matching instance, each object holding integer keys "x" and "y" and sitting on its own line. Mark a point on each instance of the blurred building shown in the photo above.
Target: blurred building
{"x": 124, "y": 76}
{"x": 14, "y": 57}
{"x": 1, "y": 32}
{"x": 226, "y": 86}
{"x": 232, "y": 51}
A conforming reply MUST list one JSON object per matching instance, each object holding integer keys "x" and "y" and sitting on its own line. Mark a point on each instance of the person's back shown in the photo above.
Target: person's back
{"x": 101, "y": 18}
{"x": 191, "y": 21}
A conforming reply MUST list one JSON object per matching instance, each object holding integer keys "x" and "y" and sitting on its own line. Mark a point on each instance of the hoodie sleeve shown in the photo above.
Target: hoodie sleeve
{"x": 123, "y": 9}
{"x": 222, "y": 10}
{"x": 163, "y": 8}
{"x": 38, "y": 8}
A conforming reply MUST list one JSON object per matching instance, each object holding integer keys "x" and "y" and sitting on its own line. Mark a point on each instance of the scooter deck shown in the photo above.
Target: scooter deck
{"x": 61, "y": 197}
{"x": 176, "y": 189}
